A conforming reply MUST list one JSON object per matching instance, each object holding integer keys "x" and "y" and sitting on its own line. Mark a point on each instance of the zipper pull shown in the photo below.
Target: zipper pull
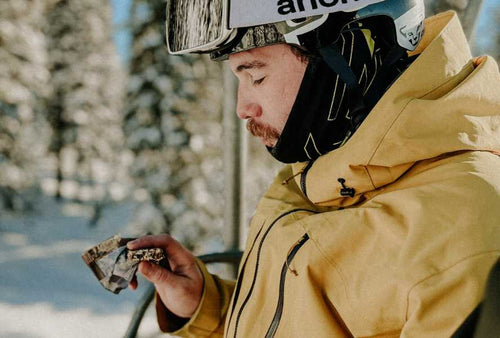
{"x": 299, "y": 243}
{"x": 295, "y": 273}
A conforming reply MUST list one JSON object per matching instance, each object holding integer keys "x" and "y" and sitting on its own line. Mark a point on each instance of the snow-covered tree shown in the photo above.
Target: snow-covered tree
{"x": 173, "y": 126}
{"x": 85, "y": 107}
{"x": 24, "y": 84}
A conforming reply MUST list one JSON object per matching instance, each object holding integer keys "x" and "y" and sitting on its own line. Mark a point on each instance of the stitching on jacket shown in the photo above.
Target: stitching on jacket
{"x": 382, "y": 137}
{"x": 434, "y": 274}
{"x": 394, "y": 333}
{"x": 369, "y": 176}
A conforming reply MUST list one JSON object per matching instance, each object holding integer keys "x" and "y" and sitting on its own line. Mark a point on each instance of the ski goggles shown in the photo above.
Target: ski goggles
{"x": 204, "y": 26}
{"x": 197, "y": 26}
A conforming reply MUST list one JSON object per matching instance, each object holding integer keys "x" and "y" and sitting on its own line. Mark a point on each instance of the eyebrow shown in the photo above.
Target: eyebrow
{"x": 250, "y": 65}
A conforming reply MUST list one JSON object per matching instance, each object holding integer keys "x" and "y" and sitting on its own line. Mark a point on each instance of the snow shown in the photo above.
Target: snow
{"x": 46, "y": 289}
{"x": 45, "y": 320}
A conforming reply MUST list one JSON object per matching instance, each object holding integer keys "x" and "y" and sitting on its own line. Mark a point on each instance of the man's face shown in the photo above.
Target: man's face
{"x": 269, "y": 80}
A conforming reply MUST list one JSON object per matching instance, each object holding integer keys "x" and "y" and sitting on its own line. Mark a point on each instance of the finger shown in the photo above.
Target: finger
{"x": 133, "y": 283}
{"x": 151, "y": 241}
{"x": 154, "y": 273}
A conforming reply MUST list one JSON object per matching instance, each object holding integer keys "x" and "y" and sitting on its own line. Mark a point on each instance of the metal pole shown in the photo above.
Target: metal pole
{"x": 243, "y": 145}
{"x": 234, "y": 164}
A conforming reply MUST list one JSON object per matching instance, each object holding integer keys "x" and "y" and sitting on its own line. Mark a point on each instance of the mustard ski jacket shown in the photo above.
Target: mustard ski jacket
{"x": 394, "y": 233}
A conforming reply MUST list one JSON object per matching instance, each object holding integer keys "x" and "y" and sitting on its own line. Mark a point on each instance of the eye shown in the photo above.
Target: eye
{"x": 259, "y": 81}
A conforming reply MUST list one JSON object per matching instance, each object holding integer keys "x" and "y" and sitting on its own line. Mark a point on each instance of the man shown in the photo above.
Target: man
{"x": 386, "y": 222}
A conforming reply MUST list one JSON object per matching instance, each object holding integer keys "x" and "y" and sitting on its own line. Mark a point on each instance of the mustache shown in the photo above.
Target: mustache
{"x": 265, "y": 131}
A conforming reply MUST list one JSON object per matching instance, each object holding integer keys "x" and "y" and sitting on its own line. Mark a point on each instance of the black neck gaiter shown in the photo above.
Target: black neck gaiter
{"x": 320, "y": 120}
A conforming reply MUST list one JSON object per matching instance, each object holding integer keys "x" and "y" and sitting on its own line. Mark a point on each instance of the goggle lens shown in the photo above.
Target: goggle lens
{"x": 194, "y": 24}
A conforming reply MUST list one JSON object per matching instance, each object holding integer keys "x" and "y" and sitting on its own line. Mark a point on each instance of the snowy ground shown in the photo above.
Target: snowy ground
{"x": 46, "y": 289}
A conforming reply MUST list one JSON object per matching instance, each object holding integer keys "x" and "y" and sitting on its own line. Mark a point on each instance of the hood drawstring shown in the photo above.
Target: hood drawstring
{"x": 300, "y": 172}
{"x": 285, "y": 182}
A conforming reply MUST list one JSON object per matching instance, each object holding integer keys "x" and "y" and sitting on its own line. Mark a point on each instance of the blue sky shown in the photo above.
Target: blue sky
{"x": 121, "y": 11}
{"x": 485, "y": 32}
{"x": 487, "y": 27}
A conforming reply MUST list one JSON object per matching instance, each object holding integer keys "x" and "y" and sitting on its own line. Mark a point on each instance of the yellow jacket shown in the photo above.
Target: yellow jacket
{"x": 407, "y": 252}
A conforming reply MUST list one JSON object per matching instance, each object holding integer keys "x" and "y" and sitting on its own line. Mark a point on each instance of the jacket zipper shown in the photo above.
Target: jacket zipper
{"x": 240, "y": 311}
{"x": 286, "y": 267}
{"x": 303, "y": 177}
{"x": 279, "y": 308}
{"x": 239, "y": 282}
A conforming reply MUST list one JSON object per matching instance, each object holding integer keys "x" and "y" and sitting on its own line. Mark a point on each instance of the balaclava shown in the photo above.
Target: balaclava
{"x": 321, "y": 119}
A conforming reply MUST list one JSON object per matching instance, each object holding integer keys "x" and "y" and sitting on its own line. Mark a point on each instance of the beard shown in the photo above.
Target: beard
{"x": 268, "y": 134}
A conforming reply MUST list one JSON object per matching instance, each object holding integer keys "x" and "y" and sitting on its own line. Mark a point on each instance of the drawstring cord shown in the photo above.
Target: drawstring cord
{"x": 285, "y": 182}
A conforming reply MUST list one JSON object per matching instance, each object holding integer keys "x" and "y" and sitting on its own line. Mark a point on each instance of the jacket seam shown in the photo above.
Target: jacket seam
{"x": 434, "y": 274}
{"x": 384, "y": 334}
{"x": 369, "y": 176}
{"x": 382, "y": 138}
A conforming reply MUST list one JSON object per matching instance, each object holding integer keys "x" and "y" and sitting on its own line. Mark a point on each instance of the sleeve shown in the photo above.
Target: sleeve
{"x": 209, "y": 318}
{"x": 440, "y": 303}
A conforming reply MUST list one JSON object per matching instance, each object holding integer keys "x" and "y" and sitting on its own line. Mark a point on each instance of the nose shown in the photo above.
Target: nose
{"x": 247, "y": 107}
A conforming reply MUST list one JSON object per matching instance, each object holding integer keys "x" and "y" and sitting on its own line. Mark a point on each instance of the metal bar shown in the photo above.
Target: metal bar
{"x": 140, "y": 310}
{"x": 235, "y": 150}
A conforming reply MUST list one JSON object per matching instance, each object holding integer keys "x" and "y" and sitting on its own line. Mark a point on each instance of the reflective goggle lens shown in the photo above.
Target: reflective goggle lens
{"x": 195, "y": 25}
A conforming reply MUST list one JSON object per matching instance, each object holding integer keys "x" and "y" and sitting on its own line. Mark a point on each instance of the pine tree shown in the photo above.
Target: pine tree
{"x": 85, "y": 108}
{"x": 173, "y": 126}
{"x": 24, "y": 83}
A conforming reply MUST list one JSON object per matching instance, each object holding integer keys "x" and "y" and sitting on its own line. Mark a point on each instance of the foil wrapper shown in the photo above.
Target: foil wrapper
{"x": 114, "y": 265}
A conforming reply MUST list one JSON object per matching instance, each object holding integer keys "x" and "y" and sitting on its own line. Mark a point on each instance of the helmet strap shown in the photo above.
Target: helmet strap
{"x": 338, "y": 64}
{"x": 393, "y": 65}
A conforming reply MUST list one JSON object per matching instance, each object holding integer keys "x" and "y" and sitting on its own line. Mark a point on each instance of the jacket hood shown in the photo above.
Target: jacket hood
{"x": 445, "y": 102}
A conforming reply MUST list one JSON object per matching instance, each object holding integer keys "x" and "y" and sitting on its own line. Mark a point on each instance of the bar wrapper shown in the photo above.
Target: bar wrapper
{"x": 114, "y": 265}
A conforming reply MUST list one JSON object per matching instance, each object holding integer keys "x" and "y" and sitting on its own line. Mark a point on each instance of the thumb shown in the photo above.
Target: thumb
{"x": 154, "y": 273}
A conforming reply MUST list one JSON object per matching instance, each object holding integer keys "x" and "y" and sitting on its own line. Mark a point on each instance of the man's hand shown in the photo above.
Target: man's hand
{"x": 179, "y": 289}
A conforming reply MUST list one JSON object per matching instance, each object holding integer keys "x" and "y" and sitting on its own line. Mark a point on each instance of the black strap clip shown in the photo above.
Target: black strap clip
{"x": 346, "y": 191}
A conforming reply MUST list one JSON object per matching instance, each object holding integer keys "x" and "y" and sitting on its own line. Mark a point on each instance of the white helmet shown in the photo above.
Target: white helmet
{"x": 223, "y": 27}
